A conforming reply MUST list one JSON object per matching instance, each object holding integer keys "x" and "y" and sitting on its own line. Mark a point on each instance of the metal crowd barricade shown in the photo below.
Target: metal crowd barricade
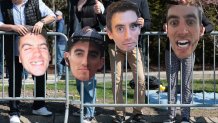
{"x": 158, "y": 36}
{"x": 65, "y": 97}
{"x": 53, "y": 95}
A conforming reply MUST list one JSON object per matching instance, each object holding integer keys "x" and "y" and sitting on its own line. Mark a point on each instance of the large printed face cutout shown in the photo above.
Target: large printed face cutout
{"x": 34, "y": 54}
{"x": 84, "y": 59}
{"x": 124, "y": 30}
{"x": 183, "y": 29}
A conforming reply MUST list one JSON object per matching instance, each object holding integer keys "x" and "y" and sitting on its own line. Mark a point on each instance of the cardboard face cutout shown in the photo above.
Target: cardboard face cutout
{"x": 34, "y": 54}
{"x": 84, "y": 60}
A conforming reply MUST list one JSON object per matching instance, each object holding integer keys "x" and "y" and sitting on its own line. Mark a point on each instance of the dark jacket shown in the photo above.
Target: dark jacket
{"x": 86, "y": 17}
{"x": 207, "y": 24}
{"x": 32, "y": 15}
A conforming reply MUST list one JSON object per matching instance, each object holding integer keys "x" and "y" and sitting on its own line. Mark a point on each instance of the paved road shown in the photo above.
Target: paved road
{"x": 198, "y": 75}
{"x": 103, "y": 115}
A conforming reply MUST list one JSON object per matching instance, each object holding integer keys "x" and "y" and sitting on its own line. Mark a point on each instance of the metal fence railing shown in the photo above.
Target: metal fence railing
{"x": 104, "y": 77}
{"x": 51, "y": 94}
{"x": 158, "y": 37}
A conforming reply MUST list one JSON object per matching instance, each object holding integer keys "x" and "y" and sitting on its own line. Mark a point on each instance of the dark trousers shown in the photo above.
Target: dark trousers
{"x": 15, "y": 85}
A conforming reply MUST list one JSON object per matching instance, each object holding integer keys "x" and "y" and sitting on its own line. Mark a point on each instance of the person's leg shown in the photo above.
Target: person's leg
{"x": 40, "y": 91}
{"x": 172, "y": 68}
{"x": 24, "y": 74}
{"x": 60, "y": 55}
{"x": 135, "y": 61}
{"x": 39, "y": 107}
{"x": 116, "y": 64}
{"x": 89, "y": 95}
{"x": 187, "y": 74}
{"x": 15, "y": 79}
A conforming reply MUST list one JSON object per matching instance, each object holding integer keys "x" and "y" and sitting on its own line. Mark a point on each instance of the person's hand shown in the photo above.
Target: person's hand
{"x": 140, "y": 21}
{"x": 80, "y": 4}
{"x": 97, "y": 7}
{"x": 22, "y": 30}
{"x": 37, "y": 28}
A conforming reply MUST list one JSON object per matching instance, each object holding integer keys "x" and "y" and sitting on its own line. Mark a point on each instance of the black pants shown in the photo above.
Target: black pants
{"x": 15, "y": 85}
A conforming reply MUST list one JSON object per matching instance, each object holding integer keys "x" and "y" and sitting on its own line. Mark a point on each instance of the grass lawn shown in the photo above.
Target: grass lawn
{"x": 107, "y": 96}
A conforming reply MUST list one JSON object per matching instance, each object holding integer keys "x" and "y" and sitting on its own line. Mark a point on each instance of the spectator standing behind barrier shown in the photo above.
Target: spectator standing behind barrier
{"x": 85, "y": 55}
{"x": 33, "y": 52}
{"x": 60, "y": 44}
{"x": 184, "y": 29}
{"x": 13, "y": 16}
{"x": 86, "y": 13}
{"x": 125, "y": 32}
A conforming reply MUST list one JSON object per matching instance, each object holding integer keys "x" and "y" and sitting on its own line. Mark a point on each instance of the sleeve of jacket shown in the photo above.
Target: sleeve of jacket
{"x": 102, "y": 18}
{"x": 207, "y": 24}
{"x": 86, "y": 11}
{"x": 145, "y": 13}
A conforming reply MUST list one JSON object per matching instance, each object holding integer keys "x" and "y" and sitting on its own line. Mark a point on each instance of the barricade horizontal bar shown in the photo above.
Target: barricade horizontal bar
{"x": 31, "y": 98}
{"x": 151, "y": 105}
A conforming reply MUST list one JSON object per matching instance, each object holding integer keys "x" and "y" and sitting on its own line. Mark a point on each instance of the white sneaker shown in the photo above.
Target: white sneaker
{"x": 58, "y": 78}
{"x": 87, "y": 120}
{"x": 14, "y": 119}
{"x": 42, "y": 111}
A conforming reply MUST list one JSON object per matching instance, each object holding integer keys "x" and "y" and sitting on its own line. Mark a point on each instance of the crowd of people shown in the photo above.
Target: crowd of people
{"x": 123, "y": 21}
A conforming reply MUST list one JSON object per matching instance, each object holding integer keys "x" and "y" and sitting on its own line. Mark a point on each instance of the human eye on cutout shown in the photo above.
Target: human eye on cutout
{"x": 191, "y": 21}
{"x": 78, "y": 53}
{"x": 27, "y": 48}
{"x": 134, "y": 26}
{"x": 173, "y": 22}
{"x": 120, "y": 29}
{"x": 44, "y": 47}
{"x": 93, "y": 54}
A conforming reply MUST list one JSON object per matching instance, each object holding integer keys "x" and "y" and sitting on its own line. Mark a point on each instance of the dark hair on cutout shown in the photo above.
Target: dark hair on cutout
{"x": 87, "y": 34}
{"x": 30, "y": 30}
{"x": 196, "y": 3}
{"x": 120, "y": 6}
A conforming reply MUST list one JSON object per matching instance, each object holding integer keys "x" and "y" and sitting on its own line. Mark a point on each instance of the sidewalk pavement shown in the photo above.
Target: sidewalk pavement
{"x": 103, "y": 115}
{"x": 198, "y": 75}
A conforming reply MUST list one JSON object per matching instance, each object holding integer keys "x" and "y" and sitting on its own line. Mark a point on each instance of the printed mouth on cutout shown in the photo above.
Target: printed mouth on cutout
{"x": 183, "y": 43}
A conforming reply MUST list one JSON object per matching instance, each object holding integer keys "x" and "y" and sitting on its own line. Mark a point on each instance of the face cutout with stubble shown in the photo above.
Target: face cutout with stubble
{"x": 183, "y": 29}
{"x": 84, "y": 60}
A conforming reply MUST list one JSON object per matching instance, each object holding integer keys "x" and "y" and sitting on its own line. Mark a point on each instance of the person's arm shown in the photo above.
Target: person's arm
{"x": 48, "y": 15}
{"x": 100, "y": 11}
{"x": 46, "y": 12}
{"x": 11, "y": 27}
{"x": 207, "y": 24}
{"x": 60, "y": 26}
{"x": 145, "y": 14}
{"x": 102, "y": 17}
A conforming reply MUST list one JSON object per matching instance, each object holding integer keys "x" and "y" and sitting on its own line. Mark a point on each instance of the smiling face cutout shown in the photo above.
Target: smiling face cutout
{"x": 183, "y": 29}
{"x": 34, "y": 54}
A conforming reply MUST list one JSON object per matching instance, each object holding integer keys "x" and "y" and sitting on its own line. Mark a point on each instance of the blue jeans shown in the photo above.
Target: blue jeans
{"x": 89, "y": 95}
{"x": 25, "y": 74}
{"x": 60, "y": 49}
